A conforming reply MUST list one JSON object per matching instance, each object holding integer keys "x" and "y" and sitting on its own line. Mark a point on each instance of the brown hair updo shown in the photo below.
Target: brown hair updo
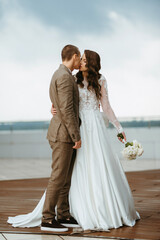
{"x": 93, "y": 65}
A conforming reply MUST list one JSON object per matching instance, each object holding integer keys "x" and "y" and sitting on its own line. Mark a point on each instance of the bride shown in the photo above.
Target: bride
{"x": 100, "y": 197}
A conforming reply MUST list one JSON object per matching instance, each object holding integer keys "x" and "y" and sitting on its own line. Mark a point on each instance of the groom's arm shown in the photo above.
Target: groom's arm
{"x": 65, "y": 90}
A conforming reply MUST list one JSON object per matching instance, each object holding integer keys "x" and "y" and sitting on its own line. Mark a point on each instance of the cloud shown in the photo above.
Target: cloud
{"x": 30, "y": 52}
{"x": 29, "y": 55}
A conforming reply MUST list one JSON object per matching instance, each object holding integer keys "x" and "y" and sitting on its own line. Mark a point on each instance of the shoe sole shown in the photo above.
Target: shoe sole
{"x": 70, "y": 225}
{"x": 54, "y": 229}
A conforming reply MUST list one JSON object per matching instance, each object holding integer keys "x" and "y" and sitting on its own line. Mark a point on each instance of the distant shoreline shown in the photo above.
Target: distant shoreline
{"x": 42, "y": 125}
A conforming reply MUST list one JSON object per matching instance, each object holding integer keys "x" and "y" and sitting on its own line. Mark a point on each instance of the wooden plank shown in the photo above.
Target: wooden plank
{"x": 21, "y": 196}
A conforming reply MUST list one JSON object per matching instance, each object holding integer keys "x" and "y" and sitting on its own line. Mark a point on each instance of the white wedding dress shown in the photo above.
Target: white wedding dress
{"x": 100, "y": 197}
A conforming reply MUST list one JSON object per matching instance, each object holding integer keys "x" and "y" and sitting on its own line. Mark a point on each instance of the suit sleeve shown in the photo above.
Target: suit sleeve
{"x": 65, "y": 90}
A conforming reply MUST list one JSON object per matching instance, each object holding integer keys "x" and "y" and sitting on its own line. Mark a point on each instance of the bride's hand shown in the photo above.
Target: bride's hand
{"x": 124, "y": 138}
{"x": 53, "y": 110}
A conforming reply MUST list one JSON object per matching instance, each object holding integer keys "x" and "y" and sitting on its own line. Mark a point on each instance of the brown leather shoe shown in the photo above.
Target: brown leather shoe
{"x": 53, "y": 226}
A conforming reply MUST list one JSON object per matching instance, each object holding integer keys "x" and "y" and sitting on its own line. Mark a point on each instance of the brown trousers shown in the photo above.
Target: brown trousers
{"x": 63, "y": 157}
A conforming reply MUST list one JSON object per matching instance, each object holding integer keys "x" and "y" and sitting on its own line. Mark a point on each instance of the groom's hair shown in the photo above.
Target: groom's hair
{"x": 68, "y": 51}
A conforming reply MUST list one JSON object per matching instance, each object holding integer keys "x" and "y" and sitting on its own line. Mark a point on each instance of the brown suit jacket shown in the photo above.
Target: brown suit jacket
{"x": 64, "y": 95}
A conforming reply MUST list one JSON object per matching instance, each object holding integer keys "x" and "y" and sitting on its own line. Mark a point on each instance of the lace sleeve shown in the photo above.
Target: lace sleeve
{"x": 107, "y": 109}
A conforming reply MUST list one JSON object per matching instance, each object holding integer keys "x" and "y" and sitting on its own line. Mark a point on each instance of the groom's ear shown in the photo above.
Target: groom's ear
{"x": 73, "y": 59}
{"x": 74, "y": 56}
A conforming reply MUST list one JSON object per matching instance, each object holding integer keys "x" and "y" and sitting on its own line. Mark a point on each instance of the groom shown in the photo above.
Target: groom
{"x": 64, "y": 138}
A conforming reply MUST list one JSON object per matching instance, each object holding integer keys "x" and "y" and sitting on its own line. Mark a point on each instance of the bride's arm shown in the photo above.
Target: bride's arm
{"x": 107, "y": 109}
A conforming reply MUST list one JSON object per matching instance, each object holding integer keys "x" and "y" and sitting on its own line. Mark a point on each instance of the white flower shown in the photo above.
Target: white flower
{"x": 135, "y": 143}
{"x": 131, "y": 152}
{"x": 140, "y": 151}
{"x": 140, "y": 146}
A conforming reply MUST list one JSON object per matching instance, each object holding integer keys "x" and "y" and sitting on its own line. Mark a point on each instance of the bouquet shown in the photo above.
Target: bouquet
{"x": 132, "y": 149}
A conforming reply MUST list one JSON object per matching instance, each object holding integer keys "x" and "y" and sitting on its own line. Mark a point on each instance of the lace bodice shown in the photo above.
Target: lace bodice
{"x": 89, "y": 101}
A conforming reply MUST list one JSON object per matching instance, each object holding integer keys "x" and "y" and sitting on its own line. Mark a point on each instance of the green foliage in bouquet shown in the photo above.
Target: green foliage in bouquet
{"x": 128, "y": 143}
{"x": 120, "y": 135}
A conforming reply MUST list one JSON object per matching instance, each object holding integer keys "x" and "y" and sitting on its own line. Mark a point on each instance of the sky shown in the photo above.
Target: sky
{"x": 126, "y": 34}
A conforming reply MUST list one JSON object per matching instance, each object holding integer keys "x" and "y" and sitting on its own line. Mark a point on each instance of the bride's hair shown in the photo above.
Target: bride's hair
{"x": 93, "y": 66}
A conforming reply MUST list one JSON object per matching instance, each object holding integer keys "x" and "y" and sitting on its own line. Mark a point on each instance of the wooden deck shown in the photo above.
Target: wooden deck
{"x": 21, "y": 196}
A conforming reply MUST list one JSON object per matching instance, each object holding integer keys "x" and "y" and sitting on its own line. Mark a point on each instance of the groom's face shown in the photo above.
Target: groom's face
{"x": 77, "y": 60}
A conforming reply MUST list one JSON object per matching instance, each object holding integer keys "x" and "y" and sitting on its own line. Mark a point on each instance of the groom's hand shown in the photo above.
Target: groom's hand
{"x": 77, "y": 145}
